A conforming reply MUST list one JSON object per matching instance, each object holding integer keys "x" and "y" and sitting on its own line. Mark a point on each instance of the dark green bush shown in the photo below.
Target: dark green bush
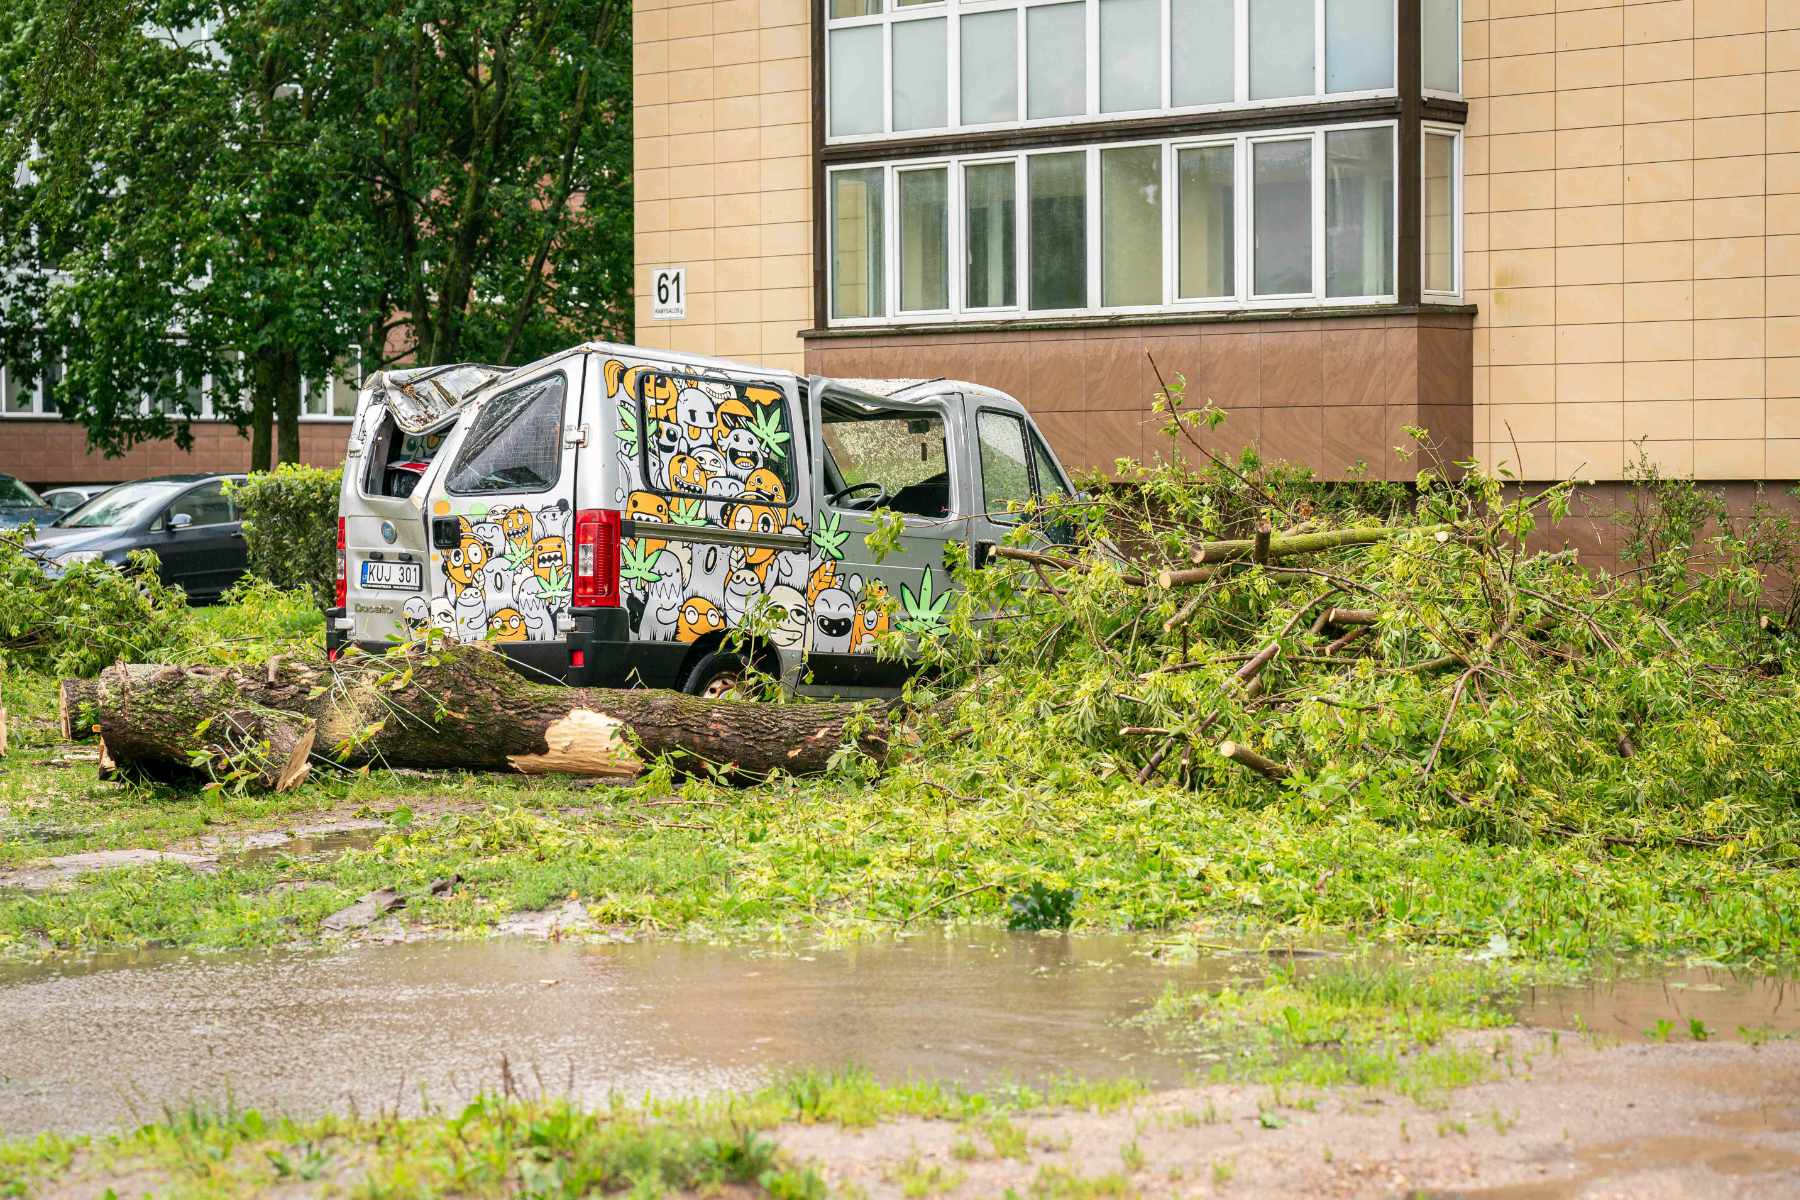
{"x": 290, "y": 523}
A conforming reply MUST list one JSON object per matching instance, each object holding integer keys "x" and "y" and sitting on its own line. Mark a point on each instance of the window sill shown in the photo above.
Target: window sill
{"x": 1141, "y": 320}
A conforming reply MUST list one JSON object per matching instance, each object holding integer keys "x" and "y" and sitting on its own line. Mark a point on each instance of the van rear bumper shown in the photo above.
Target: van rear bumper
{"x": 597, "y": 652}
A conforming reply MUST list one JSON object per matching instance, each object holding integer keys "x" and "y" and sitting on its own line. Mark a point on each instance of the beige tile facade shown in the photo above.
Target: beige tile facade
{"x": 723, "y": 106}
{"x": 1633, "y": 234}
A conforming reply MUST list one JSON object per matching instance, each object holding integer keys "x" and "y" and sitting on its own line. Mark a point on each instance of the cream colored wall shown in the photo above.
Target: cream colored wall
{"x": 1633, "y": 234}
{"x": 722, "y": 167}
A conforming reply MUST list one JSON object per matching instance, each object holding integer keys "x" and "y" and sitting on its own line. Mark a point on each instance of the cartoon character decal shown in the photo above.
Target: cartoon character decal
{"x": 695, "y": 451}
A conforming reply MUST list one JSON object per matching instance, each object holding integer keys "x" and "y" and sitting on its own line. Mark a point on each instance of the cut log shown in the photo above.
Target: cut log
{"x": 463, "y": 708}
{"x": 168, "y": 720}
{"x": 1268, "y": 768}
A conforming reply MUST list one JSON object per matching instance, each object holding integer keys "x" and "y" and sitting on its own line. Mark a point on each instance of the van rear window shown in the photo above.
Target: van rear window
{"x": 516, "y": 444}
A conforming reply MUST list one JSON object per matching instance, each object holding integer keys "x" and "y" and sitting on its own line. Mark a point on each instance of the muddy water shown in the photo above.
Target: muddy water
{"x": 378, "y": 1027}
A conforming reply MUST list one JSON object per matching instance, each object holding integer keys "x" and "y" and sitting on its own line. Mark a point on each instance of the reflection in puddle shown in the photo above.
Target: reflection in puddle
{"x": 380, "y": 1027}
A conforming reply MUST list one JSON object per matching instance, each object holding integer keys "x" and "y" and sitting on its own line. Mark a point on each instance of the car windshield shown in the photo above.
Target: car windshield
{"x": 14, "y": 494}
{"x": 121, "y": 506}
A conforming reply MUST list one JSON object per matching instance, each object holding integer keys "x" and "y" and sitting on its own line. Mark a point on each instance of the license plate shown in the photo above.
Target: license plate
{"x": 393, "y": 576}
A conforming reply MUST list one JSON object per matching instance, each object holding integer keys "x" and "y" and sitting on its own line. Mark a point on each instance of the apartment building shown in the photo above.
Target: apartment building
{"x": 1549, "y": 231}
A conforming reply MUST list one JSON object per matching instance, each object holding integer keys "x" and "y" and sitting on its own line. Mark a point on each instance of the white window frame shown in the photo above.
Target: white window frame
{"x": 206, "y": 404}
{"x": 1427, "y": 130}
{"x": 960, "y": 248}
{"x": 952, "y": 10}
{"x": 36, "y": 411}
{"x": 1243, "y": 211}
{"x": 1461, "y": 78}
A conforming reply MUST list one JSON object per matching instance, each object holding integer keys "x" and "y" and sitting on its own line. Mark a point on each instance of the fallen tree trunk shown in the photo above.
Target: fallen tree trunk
{"x": 464, "y": 708}
{"x": 167, "y": 719}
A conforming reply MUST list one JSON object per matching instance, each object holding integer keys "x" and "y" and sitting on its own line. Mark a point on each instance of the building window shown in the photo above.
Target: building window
{"x": 1359, "y": 213}
{"x": 1441, "y": 46}
{"x": 1442, "y": 213}
{"x": 25, "y": 395}
{"x": 903, "y": 69}
{"x": 857, "y": 238}
{"x": 1058, "y": 249}
{"x": 1124, "y": 227}
{"x": 991, "y": 235}
{"x": 337, "y": 400}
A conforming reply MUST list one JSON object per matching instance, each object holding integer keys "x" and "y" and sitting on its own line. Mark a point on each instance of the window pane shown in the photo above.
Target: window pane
{"x": 516, "y": 443}
{"x": 990, "y": 229}
{"x": 1281, "y": 49}
{"x": 924, "y": 239}
{"x": 16, "y": 397}
{"x": 1359, "y": 212}
{"x": 1130, "y": 49}
{"x": 990, "y": 67}
{"x": 205, "y": 505}
{"x": 856, "y": 244}
{"x": 1443, "y": 45}
{"x": 1131, "y": 225}
{"x": 855, "y": 75}
{"x": 855, "y": 8}
{"x": 921, "y": 80}
{"x": 1359, "y": 45}
{"x": 1005, "y": 479}
{"x": 1440, "y": 213}
{"x": 1049, "y": 476}
{"x": 1058, "y": 186}
{"x": 1208, "y": 245}
{"x": 906, "y": 453}
{"x": 1204, "y": 55}
{"x": 1282, "y": 191}
{"x": 1055, "y": 61}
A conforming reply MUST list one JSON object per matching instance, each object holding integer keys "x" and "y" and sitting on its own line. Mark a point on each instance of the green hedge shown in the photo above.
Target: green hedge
{"x": 290, "y": 523}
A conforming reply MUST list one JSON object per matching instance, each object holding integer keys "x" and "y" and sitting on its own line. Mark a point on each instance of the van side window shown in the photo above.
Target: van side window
{"x": 710, "y": 438}
{"x": 1005, "y": 474}
{"x": 886, "y": 459}
{"x": 1052, "y": 488}
{"x": 516, "y": 444}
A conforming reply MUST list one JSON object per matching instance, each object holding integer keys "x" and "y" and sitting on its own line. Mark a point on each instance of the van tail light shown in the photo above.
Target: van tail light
{"x": 596, "y": 559}
{"x": 343, "y": 578}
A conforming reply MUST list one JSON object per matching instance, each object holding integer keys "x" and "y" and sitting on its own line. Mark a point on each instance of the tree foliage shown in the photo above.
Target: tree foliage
{"x": 249, "y": 190}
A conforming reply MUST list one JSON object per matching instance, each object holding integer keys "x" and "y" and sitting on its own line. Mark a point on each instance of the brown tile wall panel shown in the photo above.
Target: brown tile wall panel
{"x": 1333, "y": 397}
{"x": 55, "y": 452}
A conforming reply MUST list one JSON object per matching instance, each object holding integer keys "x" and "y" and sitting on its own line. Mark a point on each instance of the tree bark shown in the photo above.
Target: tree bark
{"x": 287, "y": 406}
{"x": 1280, "y": 548}
{"x": 463, "y": 708}
{"x": 262, "y": 412}
{"x": 169, "y": 720}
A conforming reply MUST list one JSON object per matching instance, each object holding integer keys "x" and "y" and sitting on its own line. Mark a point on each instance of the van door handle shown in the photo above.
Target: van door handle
{"x": 576, "y": 438}
{"x": 446, "y": 533}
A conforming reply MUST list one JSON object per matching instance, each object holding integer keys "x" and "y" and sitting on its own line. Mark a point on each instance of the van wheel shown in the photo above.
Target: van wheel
{"x": 714, "y": 675}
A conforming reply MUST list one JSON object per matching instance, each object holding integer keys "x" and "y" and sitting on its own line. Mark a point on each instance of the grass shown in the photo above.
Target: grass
{"x": 512, "y": 1145}
{"x": 1387, "y": 1026}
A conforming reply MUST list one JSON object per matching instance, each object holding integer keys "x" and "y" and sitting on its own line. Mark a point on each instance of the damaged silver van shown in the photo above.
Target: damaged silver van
{"x": 609, "y": 513}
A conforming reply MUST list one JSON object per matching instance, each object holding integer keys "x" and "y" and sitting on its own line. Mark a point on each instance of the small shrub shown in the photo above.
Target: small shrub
{"x": 1039, "y": 907}
{"x": 290, "y": 524}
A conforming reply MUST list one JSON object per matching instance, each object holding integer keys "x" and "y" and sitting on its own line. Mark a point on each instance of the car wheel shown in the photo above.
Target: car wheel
{"x": 715, "y": 675}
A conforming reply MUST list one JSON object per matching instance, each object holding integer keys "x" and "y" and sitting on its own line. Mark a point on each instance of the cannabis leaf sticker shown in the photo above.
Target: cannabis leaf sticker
{"x": 556, "y": 585}
{"x": 627, "y": 431}
{"x": 924, "y": 613}
{"x": 829, "y": 538}
{"x": 687, "y": 512}
{"x": 639, "y": 564}
{"x": 765, "y": 423}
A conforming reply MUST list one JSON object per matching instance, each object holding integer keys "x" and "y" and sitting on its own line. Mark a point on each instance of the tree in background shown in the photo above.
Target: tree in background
{"x": 245, "y": 189}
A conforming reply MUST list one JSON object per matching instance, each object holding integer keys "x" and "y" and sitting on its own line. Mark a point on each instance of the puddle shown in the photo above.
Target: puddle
{"x": 306, "y": 842}
{"x": 112, "y": 1041}
{"x": 1726, "y": 1002}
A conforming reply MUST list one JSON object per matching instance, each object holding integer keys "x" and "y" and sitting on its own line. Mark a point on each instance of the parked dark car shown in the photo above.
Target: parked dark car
{"x": 74, "y": 495}
{"x": 20, "y": 505}
{"x": 189, "y": 521}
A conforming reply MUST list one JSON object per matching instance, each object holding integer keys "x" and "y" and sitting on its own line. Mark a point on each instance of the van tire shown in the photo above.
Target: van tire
{"x": 714, "y": 675}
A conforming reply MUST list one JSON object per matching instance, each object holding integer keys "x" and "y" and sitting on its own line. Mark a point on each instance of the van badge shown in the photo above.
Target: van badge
{"x": 388, "y": 532}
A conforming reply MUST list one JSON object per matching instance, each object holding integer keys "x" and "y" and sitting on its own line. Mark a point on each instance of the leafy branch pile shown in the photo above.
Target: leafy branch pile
{"x": 1397, "y": 653}
{"x": 87, "y": 616}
